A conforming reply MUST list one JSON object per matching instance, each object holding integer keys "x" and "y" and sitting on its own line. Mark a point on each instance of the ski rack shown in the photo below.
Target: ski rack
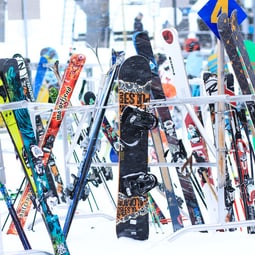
{"x": 159, "y": 164}
{"x": 2, "y": 168}
{"x": 202, "y": 100}
{"x": 198, "y": 101}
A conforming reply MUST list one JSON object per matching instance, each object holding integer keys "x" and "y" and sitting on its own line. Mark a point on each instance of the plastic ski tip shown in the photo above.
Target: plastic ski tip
{"x": 168, "y": 36}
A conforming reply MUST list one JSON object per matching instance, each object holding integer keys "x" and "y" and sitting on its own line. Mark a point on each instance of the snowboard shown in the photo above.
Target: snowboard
{"x": 134, "y": 81}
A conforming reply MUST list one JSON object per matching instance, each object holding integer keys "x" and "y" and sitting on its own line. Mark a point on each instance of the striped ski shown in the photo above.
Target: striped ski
{"x": 13, "y": 130}
{"x": 11, "y": 121}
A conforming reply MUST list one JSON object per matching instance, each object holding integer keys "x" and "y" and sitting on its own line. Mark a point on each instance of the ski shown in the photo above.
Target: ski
{"x": 232, "y": 43}
{"x": 176, "y": 148}
{"x": 70, "y": 78}
{"x": 34, "y": 156}
{"x": 51, "y": 167}
{"x": 10, "y": 121}
{"x": 14, "y": 132}
{"x": 97, "y": 175}
{"x": 195, "y": 133}
{"x": 171, "y": 198}
{"x": 232, "y": 39}
{"x": 18, "y": 226}
{"x": 25, "y": 202}
{"x": 245, "y": 180}
{"x": 210, "y": 82}
{"x": 23, "y": 208}
{"x": 90, "y": 150}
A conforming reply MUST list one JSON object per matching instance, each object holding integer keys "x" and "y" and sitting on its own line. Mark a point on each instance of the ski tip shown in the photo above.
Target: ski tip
{"x": 78, "y": 59}
{"x": 168, "y": 36}
{"x": 89, "y": 98}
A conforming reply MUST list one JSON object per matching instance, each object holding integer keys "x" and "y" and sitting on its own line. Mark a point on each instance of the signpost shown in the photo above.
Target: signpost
{"x": 210, "y": 12}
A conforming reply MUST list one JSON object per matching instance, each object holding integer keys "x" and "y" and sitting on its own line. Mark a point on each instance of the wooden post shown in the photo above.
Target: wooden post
{"x": 220, "y": 132}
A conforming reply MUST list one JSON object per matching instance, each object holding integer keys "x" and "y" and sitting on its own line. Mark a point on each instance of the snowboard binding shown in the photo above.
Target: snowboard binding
{"x": 139, "y": 118}
{"x": 138, "y": 184}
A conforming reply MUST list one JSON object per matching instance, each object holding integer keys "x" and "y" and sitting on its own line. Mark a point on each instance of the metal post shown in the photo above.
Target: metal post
{"x": 2, "y": 171}
{"x": 253, "y": 11}
{"x": 175, "y": 13}
{"x": 24, "y": 16}
{"x": 124, "y": 25}
{"x": 65, "y": 151}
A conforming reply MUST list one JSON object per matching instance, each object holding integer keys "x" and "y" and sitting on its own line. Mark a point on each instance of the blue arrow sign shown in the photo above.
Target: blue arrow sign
{"x": 213, "y": 8}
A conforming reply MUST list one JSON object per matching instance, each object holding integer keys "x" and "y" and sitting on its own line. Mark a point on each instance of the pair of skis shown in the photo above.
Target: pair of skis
{"x": 232, "y": 39}
{"x": 176, "y": 148}
{"x": 25, "y": 202}
{"x": 37, "y": 156}
{"x": 85, "y": 164}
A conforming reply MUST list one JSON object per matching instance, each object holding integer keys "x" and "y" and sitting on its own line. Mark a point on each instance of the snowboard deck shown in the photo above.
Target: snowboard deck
{"x": 134, "y": 89}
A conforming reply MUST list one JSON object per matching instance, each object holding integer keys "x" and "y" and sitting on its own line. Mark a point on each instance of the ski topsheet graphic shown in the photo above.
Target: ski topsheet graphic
{"x": 195, "y": 131}
{"x": 9, "y": 119}
{"x": 70, "y": 78}
{"x": 134, "y": 180}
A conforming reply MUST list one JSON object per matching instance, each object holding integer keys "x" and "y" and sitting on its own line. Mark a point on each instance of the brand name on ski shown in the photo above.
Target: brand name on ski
{"x": 63, "y": 102}
{"x": 25, "y": 205}
{"x": 171, "y": 65}
{"x": 137, "y": 99}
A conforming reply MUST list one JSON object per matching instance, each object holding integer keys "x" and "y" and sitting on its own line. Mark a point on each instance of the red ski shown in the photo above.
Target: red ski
{"x": 69, "y": 80}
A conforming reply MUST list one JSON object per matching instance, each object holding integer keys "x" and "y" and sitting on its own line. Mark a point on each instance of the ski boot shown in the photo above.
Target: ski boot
{"x": 138, "y": 184}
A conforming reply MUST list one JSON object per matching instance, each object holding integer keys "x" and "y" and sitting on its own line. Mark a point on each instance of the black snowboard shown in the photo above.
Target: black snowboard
{"x": 134, "y": 180}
